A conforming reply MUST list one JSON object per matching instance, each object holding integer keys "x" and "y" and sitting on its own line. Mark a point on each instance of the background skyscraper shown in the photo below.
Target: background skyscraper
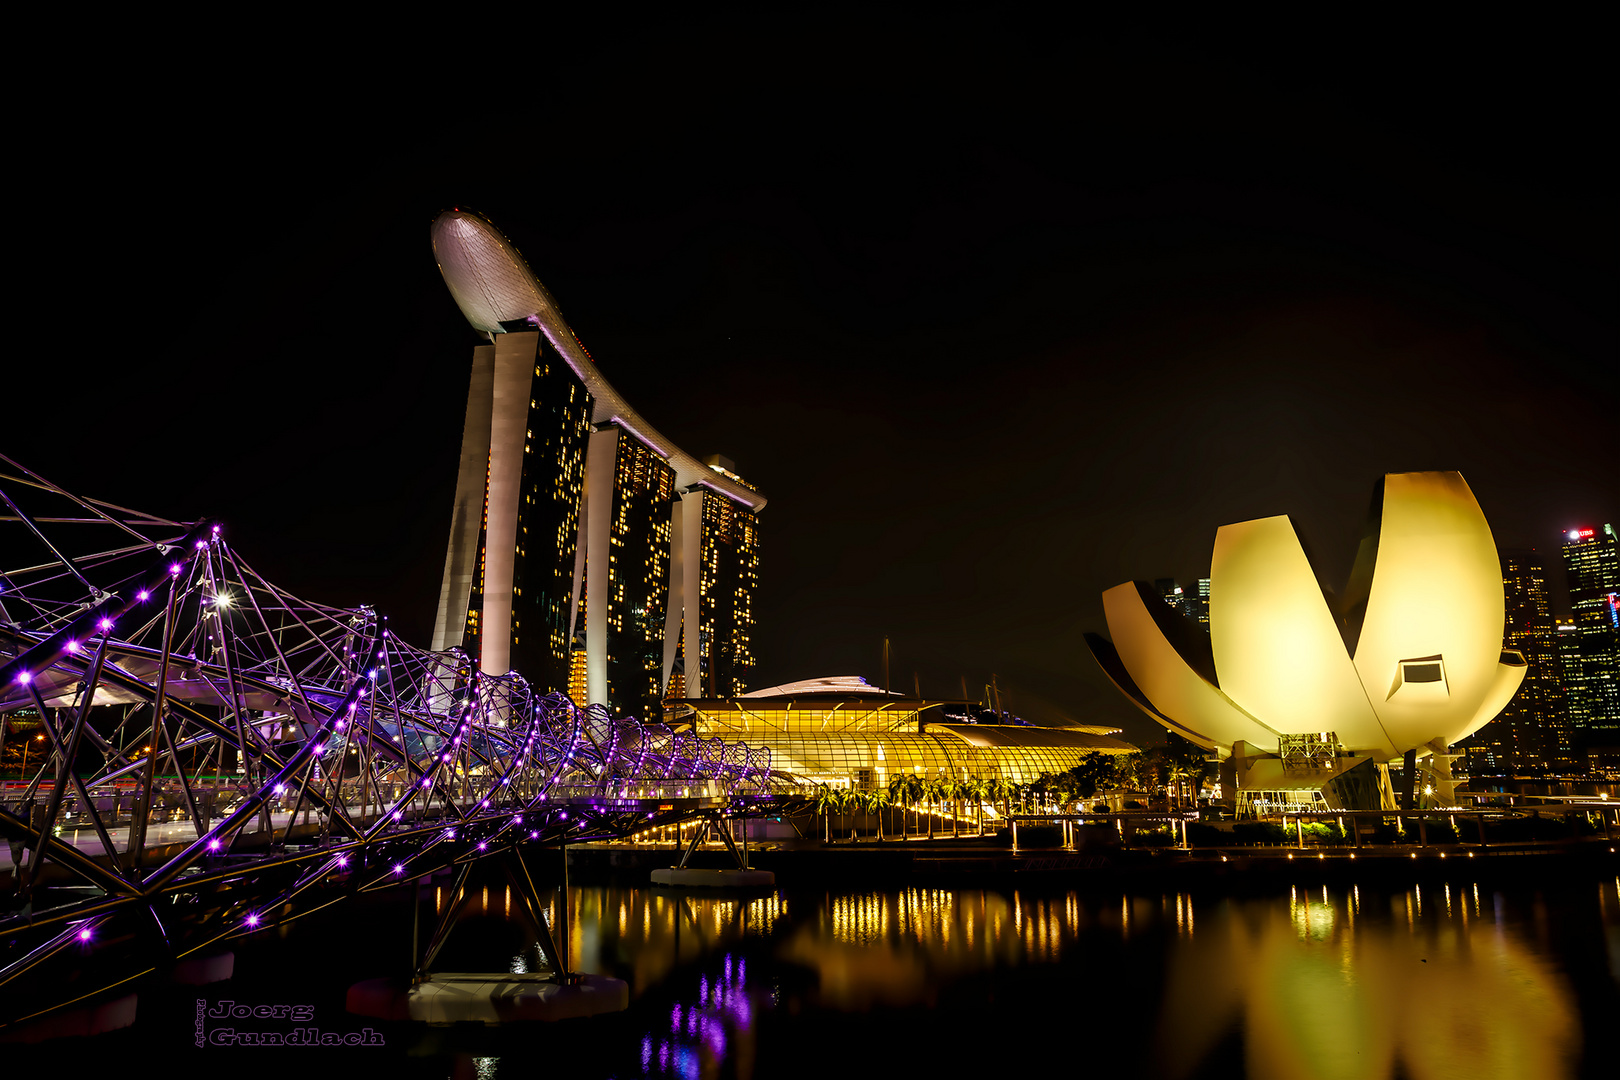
{"x": 1173, "y": 594}
{"x": 1191, "y": 603}
{"x": 1590, "y": 648}
{"x": 1532, "y": 734}
{"x": 1199, "y": 609}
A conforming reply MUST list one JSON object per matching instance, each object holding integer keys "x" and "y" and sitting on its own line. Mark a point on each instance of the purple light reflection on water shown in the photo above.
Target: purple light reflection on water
{"x": 700, "y": 1032}
{"x": 713, "y": 1034}
{"x": 740, "y": 1011}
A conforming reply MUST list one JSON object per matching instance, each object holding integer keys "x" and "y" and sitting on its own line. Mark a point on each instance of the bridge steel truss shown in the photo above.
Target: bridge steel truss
{"x": 214, "y": 756}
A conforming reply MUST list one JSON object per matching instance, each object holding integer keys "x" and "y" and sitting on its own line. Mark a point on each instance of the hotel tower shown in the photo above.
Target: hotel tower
{"x": 587, "y": 551}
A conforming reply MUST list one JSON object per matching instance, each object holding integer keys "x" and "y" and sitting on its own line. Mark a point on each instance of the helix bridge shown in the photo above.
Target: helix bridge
{"x": 213, "y": 756}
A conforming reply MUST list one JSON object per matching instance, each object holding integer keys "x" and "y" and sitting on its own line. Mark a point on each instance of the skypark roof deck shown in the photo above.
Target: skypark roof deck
{"x": 498, "y": 293}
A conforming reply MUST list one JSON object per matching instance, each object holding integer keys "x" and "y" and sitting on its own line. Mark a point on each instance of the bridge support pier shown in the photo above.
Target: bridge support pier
{"x": 742, "y": 877}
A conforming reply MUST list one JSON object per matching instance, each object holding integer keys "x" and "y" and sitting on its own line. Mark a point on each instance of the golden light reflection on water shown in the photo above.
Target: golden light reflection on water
{"x": 1427, "y": 983}
{"x": 641, "y": 934}
{"x": 1318, "y": 986}
{"x": 896, "y": 947}
{"x": 1318, "y": 993}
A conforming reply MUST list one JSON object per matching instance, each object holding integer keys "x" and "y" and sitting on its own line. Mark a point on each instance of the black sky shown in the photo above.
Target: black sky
{"x": 997, "y": 314}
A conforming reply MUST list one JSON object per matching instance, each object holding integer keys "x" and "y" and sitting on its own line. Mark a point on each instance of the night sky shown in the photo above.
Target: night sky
{"x": 997, "y": 315}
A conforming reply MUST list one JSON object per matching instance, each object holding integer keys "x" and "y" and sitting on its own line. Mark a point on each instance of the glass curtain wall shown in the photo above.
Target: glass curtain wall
{"x": 638, "y": 579}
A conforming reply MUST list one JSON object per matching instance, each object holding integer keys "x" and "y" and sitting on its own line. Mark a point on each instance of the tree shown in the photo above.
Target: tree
{"x": 826, "y": 802}
{"x": 1184, "y": 762}
{"x": 998, "y": 791}
{"x": 876, "y": 800}
{"x": 1133, "y": 771}
{"x": 976, "y": 790}
{"x": 897, "y": 795}
{"x": 1095, "y": 770}
{"x": 953, "y": 792}
{"x": 935, "y": 795}
{"x": 849, "y": 800}
{"x": 922, "y": 792}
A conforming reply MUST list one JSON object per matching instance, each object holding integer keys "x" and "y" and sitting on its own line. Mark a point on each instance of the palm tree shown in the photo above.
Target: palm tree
{"x": 976, "y": 790}
{"x": 826, "y": 802}
{"x": 933, "y": 791}
{"x": 849, "y": 800}
{"x": 952, "y": 790}
{"x": 1133, "y": 771}
{"x": 992, "y": 791}
{"x": 916, "y": 792}
{"x": 876, "y": 800}
{"x": 992, "y": 795}
{"x": 1186, "y": 763}
{"x": 899, "y": 790}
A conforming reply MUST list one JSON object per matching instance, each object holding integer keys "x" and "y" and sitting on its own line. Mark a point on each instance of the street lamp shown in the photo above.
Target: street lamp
{"x": 37, "y": 738}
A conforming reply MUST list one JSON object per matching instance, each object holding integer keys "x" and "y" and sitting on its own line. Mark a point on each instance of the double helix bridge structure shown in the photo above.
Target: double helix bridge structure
{"x": 204, "y": 756}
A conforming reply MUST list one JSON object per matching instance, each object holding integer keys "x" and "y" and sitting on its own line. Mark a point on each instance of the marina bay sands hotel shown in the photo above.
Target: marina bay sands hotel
{"x": 587, "y": 551}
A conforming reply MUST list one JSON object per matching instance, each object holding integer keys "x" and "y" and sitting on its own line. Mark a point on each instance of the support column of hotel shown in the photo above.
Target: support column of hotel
{"x": 461, "y": 558}
{"x": 509, "y": 416}
{"x": 675, "y": 606}
{"x": 601, "y": 455}
{"x": 691, "y": 556}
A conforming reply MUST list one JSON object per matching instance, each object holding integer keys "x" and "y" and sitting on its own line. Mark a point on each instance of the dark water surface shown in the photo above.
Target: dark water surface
{"x": 1443, "y": 979}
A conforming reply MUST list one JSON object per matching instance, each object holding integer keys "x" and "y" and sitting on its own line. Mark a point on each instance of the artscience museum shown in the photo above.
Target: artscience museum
{"x": 1309, "y": 695}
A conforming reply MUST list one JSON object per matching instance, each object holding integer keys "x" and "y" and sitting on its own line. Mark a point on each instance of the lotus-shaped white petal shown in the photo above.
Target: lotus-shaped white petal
{"x": 1410, "y": 656}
